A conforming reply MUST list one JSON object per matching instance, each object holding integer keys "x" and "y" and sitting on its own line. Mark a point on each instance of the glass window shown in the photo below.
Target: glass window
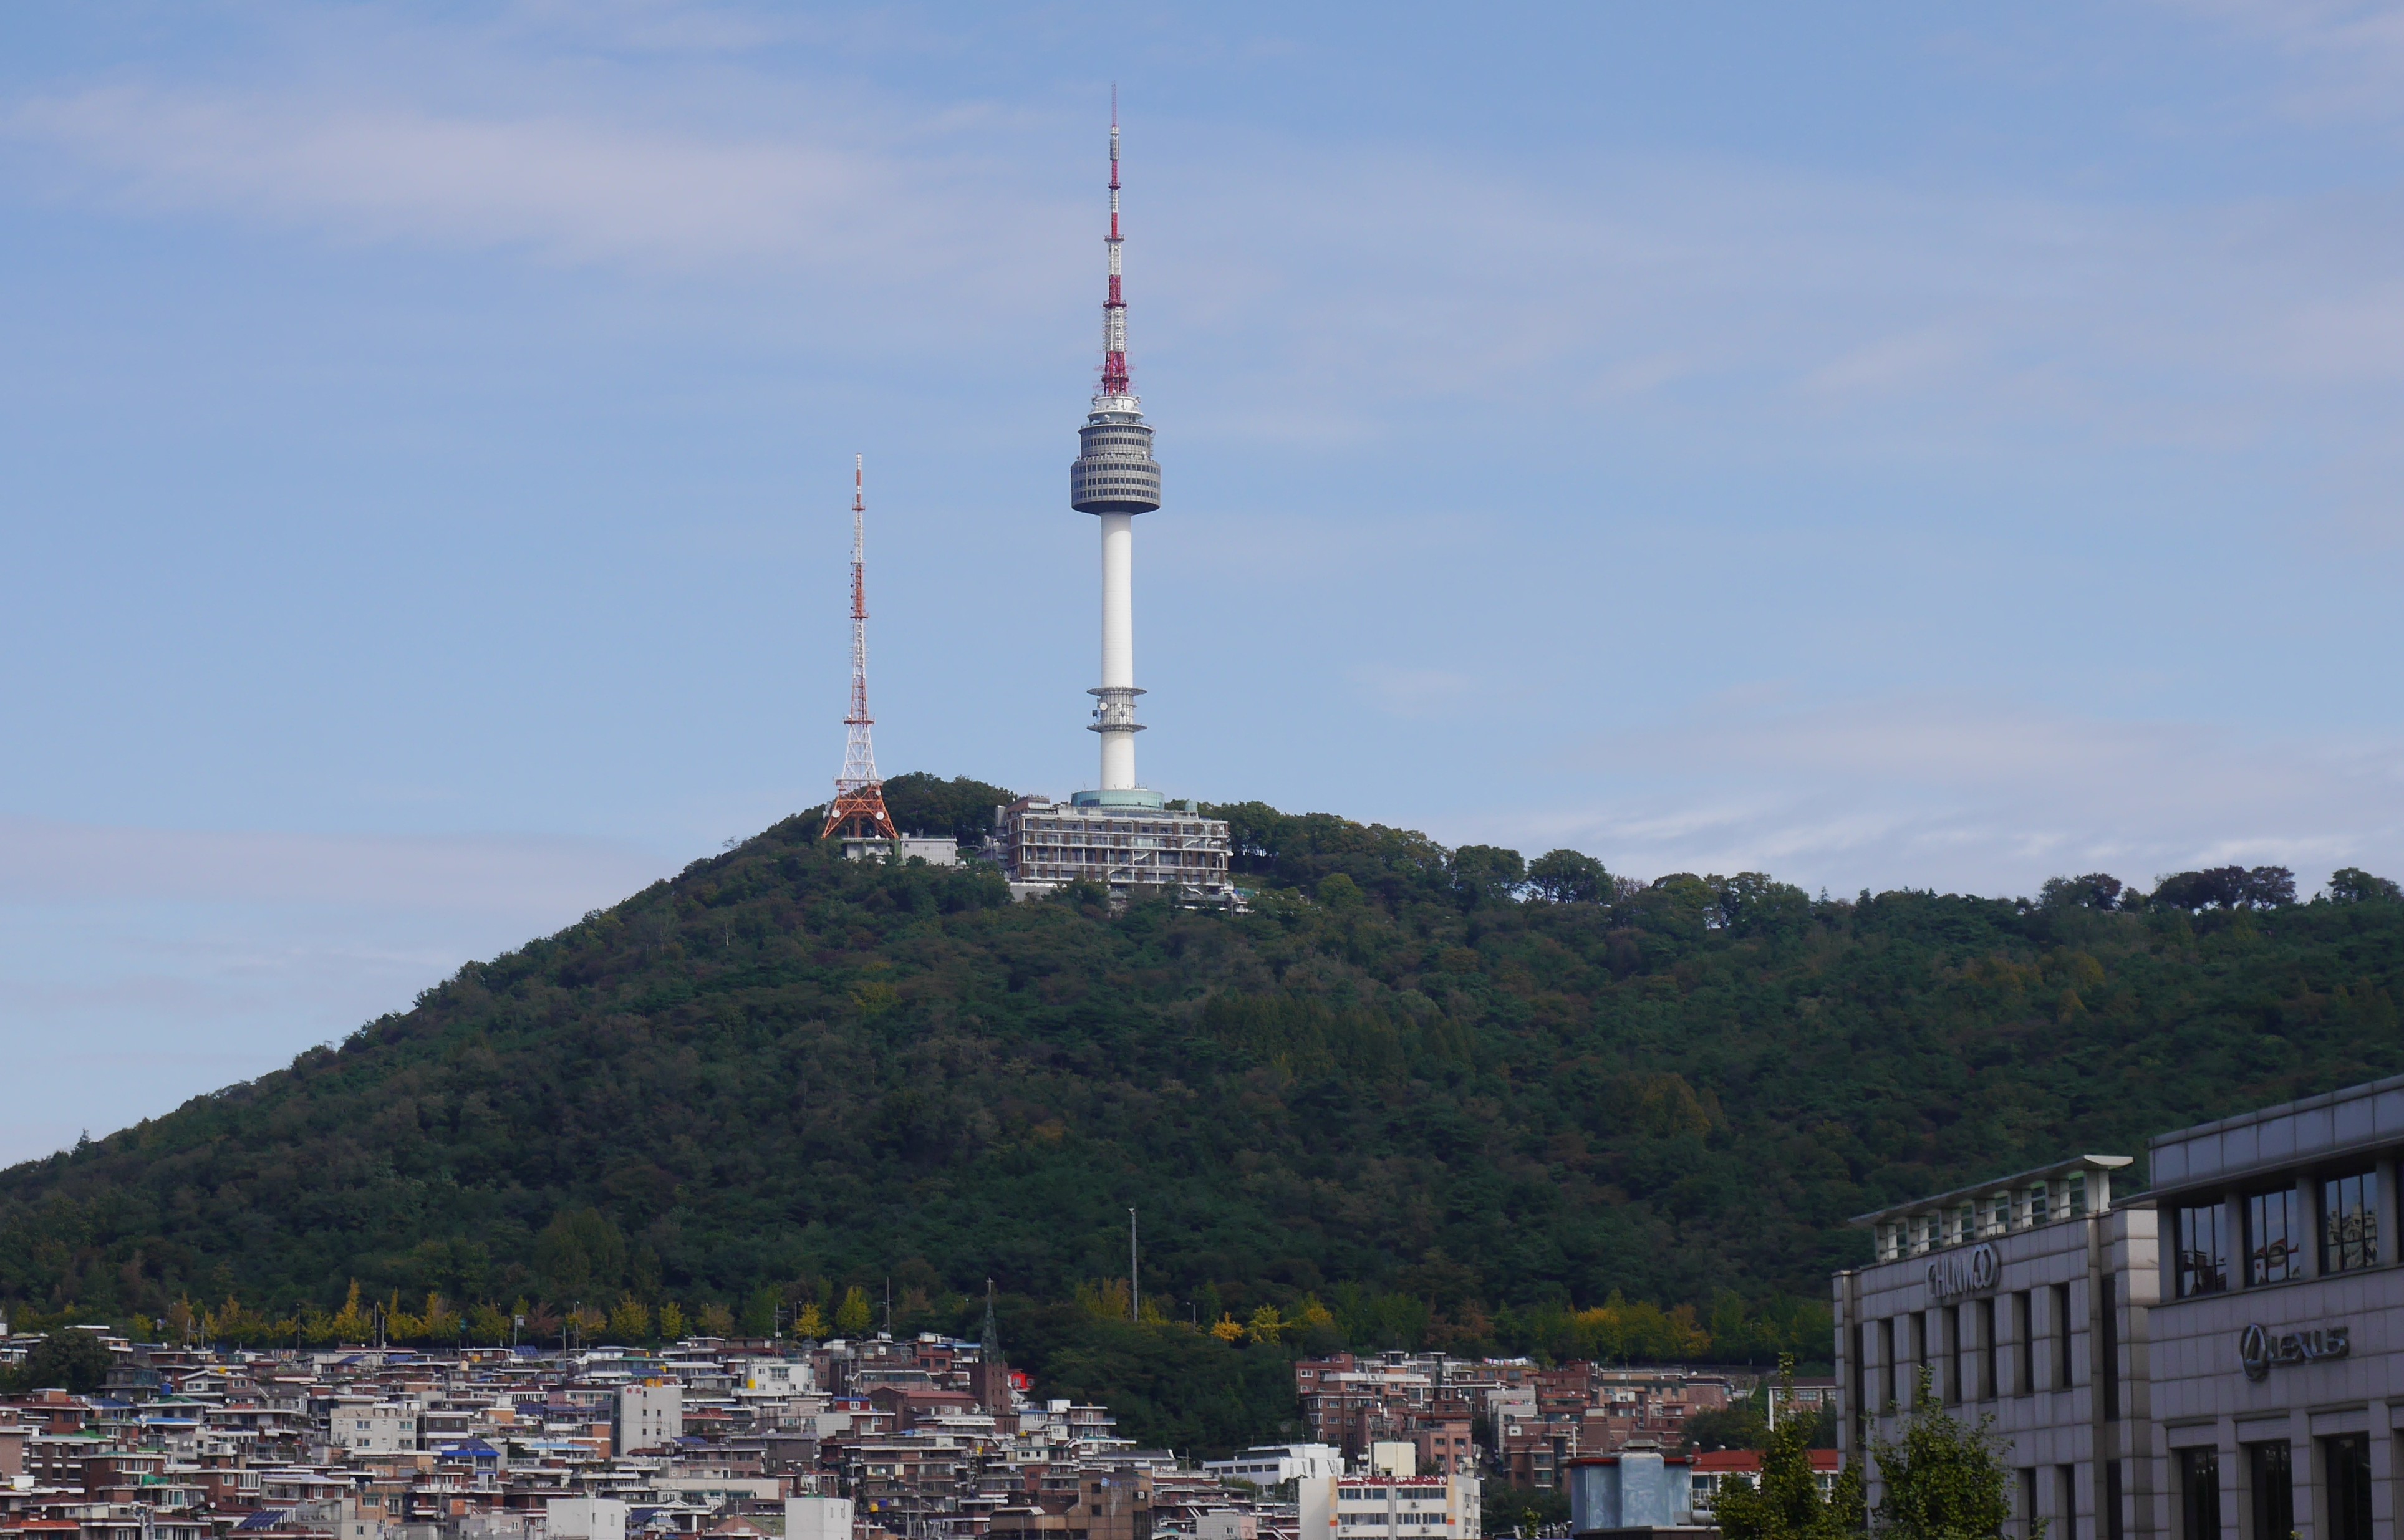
{"x": 2350, "y": 1222}
{"x": 2202, "y": 1252}
{"x": 2040, "y": 1204}
{"x": 2199, "y": 1494}
{"x": 2077, "y": 1185}
{"x": 1999, "y": 1218}
{"x": 2274, "y": 1242}
{"x": 2275, "y": 1491}
{"x": 2349, "y": 1486}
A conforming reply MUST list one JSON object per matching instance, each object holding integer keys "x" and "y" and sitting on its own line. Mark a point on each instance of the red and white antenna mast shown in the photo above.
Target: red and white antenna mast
{"x": 859, "y": 806}
{"x": 1114, "y": 364}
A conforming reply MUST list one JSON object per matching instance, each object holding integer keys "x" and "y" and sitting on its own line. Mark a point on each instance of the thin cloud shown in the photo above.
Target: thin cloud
{"x": 562, "y": 188}
{"x": 43, "y": 862}
{"x": 1973, "y": 796}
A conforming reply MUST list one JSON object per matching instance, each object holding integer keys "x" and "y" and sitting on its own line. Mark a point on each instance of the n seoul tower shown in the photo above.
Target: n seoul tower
{"x": 1115, "y": 477}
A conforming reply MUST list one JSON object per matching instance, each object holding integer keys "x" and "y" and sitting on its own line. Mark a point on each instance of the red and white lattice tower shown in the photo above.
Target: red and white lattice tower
{"x": 859, "y": 806}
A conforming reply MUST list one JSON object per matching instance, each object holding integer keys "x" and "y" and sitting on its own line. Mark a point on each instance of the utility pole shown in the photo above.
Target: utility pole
{"x": 1135, "y": 1272}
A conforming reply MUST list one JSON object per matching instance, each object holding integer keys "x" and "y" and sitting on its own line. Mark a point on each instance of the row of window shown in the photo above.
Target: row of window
{"x": 1976, "y": 1219}
{"x": 2270, "y": 1495}
{"x": 2276, "y": 1231}
{"x": 1964, "y": 1351}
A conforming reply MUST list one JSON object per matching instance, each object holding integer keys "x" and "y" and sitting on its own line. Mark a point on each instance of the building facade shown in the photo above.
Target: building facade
{"x": 647, "y": 1416}
{"x": 1274, "y": 1465}
{"x": 2278, "y": 1346}
{"x": 383, "y": 1427}
{"x": 1136, "y": 843}
{"x": 1389, "y": 1507}
{"x": 2025, "y": 1298}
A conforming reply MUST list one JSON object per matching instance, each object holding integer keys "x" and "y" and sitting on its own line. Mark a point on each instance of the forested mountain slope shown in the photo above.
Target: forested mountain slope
{"x": 1446, "y": 1113}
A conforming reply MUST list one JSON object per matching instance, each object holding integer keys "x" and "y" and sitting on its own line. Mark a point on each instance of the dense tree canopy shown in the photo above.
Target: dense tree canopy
{"x": 1415, "y": 1097}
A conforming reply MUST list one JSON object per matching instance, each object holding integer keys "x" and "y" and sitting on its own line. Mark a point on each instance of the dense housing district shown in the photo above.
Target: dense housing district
{"x": 928, "y": 1438}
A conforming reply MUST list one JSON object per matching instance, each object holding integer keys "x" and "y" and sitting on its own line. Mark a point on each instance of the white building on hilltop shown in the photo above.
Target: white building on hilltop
{"x": 1130, "y": 842}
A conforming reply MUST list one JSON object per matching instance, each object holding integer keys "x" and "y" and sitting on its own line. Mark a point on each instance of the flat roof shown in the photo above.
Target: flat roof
{"x": 2310, "y": 1128}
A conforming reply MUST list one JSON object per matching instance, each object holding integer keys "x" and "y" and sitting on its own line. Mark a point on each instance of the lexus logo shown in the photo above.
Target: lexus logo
{"x": 2258, "y": 1347}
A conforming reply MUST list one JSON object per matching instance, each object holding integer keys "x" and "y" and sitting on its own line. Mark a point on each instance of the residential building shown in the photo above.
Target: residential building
{"x": 1389, "y": 1507}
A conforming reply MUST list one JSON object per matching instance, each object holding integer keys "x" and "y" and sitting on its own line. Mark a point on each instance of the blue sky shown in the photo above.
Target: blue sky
{"x": 1880, "y": 445}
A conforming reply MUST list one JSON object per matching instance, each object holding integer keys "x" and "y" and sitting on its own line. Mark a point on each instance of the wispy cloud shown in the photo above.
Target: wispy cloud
{"x": 1973, "y": 795}
{"x": 519, "y": 876}
{"x": 565, "y": 185}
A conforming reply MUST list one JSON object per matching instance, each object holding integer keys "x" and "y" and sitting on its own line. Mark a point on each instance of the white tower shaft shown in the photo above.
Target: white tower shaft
{"x": 1118, "y": 650}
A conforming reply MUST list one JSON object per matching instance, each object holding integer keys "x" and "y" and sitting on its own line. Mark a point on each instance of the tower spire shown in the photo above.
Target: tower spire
{"x": 1114, "y": 360}
{"x": 859, "y": 805}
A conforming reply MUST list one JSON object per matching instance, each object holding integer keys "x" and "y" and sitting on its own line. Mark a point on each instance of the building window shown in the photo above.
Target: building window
{"x": 2061, "y": 1337}
{"x": 2040, "y": 1203}
{"x": 1999, "y": 1214}
{"x": 2275, "y": 1491}
{"x": 2024, "y": 1343}
{"x": 2199, "y": 1475}
{"x": 2028, "y": 1503}
{"x": 2273, "y": 1239}
{"x": 2348, "y": 1465}
{"x": 2202, "y": 1258}
{"x": 2350, "y": 1222}
{"x": 1989, "y": 1385}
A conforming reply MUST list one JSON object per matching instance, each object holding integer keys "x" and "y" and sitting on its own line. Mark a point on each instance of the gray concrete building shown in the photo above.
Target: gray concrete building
{"x": 2023, "y": 1298}
{"x": 2221, "y": 1358}
{"x": 2278, "y": 1346}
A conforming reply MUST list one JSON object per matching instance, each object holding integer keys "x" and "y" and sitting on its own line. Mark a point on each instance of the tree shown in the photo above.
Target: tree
{"x": 1567, "y": 876}
{"x": 671, "y": 1321}
{"x": 811, "y": 1325}
{"x": 1487, "y": 874}
{"x": 1738, "y": 1427}
{"x": 760, "y": 1309}
{"x": 1786, "y": 1504}
{"x": 2353, "y": 886}
{"x": 851, "y": 1316}
{"x": 1339, "y": 892}
{"x": 2226, "y": 888}
{"x": 716, "y": 1320}
{"x": 2095, "y": 890}
{"x": 487, "y": 1324}
{"x": 66, "y": 1359}
{"x": 1754, "y": 903}
{"x": 351, "y": 1322}
{"x": 630, "y": 1321}
{"x": 1944, "y": 1480}
{"x": 928, "y": 805}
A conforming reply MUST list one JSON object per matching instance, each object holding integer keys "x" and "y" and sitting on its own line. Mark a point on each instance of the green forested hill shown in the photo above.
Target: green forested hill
{"x": 1396, "y": 1102}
